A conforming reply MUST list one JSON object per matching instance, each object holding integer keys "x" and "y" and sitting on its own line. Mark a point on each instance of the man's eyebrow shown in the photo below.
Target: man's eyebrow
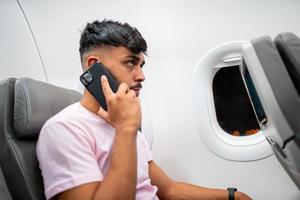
{"x": 133, "y": 57}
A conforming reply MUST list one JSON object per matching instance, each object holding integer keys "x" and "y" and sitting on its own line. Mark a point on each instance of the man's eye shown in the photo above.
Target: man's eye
{"x": 131, "y": 63}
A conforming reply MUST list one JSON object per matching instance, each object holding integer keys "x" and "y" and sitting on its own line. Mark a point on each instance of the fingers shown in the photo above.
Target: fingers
{"x": 102, "y": 113}
{"x": 123, "y": 88}
{"x": 131, "y": 93}
{"x": 105, "y": 86}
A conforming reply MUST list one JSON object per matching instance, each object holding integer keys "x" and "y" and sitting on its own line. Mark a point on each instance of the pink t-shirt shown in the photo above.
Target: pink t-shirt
{"x": 74, "y": 148}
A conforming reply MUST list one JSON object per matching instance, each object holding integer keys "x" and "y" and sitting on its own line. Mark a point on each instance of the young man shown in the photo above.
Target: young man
{"x": 101, "y": 154}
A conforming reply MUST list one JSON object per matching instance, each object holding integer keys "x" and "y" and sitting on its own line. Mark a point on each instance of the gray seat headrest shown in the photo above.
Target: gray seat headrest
{"x": 36, "y": 102}
{"x": 288, "y": 45}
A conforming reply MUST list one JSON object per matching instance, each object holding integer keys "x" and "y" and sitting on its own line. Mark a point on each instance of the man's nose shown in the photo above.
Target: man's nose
{"x": 139, "y": 75}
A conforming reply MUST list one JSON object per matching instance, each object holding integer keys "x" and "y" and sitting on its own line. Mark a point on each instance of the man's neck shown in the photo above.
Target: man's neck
{"x": 89, "y": 102}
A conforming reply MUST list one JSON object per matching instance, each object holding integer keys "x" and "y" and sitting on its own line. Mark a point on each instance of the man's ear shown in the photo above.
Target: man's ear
{"x": 91, "y": 60}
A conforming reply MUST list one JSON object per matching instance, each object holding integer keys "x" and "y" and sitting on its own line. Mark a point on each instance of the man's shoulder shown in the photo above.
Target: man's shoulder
{"x": 65, "y": 123}
{"x": 64, "y": 116}
{"x": 75, "y": 117}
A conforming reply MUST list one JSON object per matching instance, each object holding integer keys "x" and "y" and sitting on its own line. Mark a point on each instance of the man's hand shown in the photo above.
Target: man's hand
{"x": 123, "y": 107}
{"x": 241, "y": 196}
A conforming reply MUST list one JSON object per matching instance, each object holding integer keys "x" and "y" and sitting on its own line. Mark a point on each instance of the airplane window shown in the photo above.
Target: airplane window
{"x": 233, "y": 108}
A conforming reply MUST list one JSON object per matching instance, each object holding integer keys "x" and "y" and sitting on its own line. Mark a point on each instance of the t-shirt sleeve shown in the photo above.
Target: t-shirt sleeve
{"x": 66, "y": 157}
{"x": 148, "y": 152}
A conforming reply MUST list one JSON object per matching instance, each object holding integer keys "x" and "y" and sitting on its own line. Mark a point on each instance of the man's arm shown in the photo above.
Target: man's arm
{"x": 120, "y": 180}
{"x": 172, "y": 190}
{"x": 124, "y": 114}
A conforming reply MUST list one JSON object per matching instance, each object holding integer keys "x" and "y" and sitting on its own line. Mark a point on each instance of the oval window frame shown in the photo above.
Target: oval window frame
{"x": 221, "y": 143}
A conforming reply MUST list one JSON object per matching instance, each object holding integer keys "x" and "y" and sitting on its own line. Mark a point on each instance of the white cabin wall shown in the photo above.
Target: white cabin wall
{"x": 178, "y": 33}
{"x": 18, "y": 53}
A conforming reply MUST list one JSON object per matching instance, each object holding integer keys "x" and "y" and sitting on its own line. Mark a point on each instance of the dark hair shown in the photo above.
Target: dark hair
{"x": 113, "y": 33}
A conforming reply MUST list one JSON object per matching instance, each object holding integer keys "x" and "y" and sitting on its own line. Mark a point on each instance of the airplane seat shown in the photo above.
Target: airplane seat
{"x": 277, "y": 88}
{"x": 25, "y": 105}
{"x": 288, "y": 45}
{"x": 4, "y": 192}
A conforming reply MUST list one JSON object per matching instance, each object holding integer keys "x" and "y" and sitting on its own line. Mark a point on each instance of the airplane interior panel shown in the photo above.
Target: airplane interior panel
{"x": 20, "y": 56}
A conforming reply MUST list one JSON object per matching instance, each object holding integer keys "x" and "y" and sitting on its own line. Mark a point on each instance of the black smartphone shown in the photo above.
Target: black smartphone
{"x": 91, "y": 79}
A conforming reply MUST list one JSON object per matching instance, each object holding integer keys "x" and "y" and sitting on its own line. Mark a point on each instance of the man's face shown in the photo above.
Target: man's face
{"x": 125, "y": 66}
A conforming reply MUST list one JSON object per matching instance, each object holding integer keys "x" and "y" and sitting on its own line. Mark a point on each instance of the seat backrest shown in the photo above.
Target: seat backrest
{"x": 25, "y": 105}
{"x": 4, "y": 192}
{"x": 288, "y": 45}
{"x": 276, "y": 76}
{"x": 278, "y": 93}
